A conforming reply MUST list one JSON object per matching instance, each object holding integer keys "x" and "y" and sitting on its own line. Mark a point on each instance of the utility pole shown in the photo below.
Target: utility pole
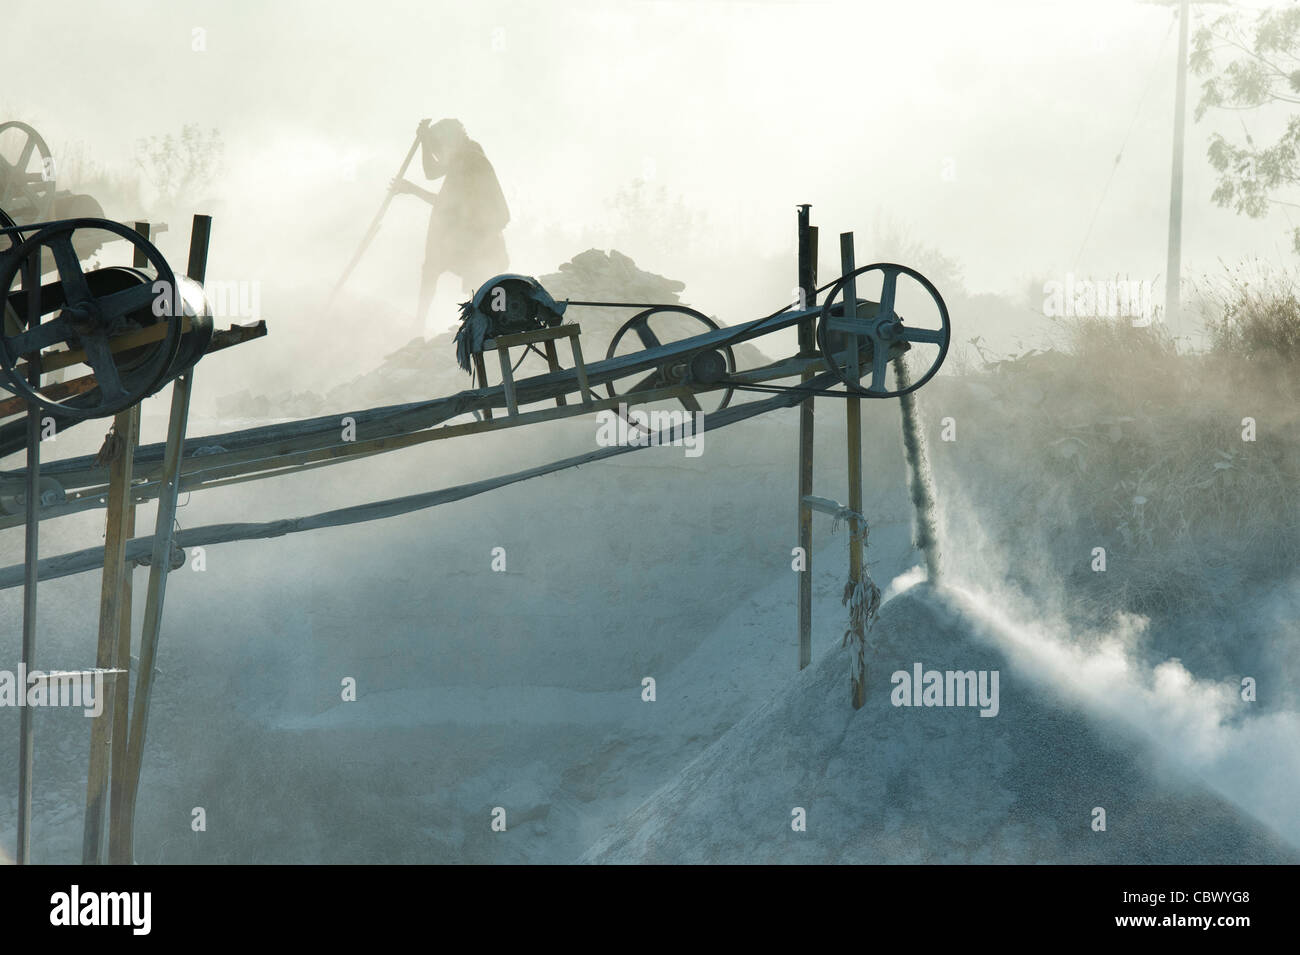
{"x": 1174, "y": 263}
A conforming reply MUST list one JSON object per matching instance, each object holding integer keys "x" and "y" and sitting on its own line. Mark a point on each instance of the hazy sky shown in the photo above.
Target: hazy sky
{"x": 987, "y": 129}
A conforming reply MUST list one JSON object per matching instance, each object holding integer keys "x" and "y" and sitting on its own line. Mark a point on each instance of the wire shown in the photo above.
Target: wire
{"x": 1120, "y": 155}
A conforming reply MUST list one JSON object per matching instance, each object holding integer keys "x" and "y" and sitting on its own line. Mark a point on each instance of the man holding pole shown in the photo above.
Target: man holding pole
{"x": 469, "y": 212}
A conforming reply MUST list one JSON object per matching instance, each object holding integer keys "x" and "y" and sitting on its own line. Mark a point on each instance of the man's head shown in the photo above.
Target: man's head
{"x": 447, "y": 136}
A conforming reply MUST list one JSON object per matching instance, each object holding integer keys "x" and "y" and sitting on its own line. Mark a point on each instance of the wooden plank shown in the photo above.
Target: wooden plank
{"x": 273, "y": 459}
{"x": 88, "y": 498}
{"x": 580, "y": 367}
{"x": 91, "y": 558}
{"x": 533, "y": 337}
{"x": 403, "y": 418}
{"x": 55, "y": 392}
{"x": 53, "y": 360}
{"x": 225, "y": 338}
{"x": 553, "y": 363}
{"x": 355, "y": 449}
{"x": 116, "y": 584}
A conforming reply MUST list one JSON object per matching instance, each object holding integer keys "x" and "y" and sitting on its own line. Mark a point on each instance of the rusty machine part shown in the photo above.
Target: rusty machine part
{"x": 29, "y": 191}
{"x": 504, "y": 305}
{"x": 136, "y": 328}
{"x": 27, "y": 173}
{"x": 704, "y": 367}
{"x": 878, "y": 331}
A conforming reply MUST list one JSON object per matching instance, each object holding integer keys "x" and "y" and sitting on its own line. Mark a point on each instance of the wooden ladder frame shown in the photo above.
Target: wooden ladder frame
{"x": 548, "y": 336}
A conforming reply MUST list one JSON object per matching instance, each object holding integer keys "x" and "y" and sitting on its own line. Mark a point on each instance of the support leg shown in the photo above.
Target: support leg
{"x": 26, "y": 747}
{"x": 480, "y": 370}
{"x": 853, "y": 415}
{"x": 553, "y": 362}
{"x": 807, "y": 348}
{"x": 115, "y": 586}
{"x": 507, "y": 380}
{"x": 160, "y": 563}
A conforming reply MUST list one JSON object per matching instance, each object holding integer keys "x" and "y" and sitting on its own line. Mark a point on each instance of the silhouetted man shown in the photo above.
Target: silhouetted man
{"x": 469, "y": 211}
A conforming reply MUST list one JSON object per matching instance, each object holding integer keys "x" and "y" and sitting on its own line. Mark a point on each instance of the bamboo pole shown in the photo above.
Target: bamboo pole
{"x": 160, "y": 564}
{"x": 26, "y": 746}
{"x": 81, "y": 561}
{"x": 114, "y": 589}
{"x": 807, "y": 349}
{"x": 854, "y": 418}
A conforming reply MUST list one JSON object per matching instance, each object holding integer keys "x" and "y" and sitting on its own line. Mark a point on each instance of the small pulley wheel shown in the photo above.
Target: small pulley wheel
{"x": 654, "y": 329}
{"x": 877, "y": 332}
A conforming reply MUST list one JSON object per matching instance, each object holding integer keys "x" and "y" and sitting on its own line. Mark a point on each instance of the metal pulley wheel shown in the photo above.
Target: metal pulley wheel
{"x": 704, "y": 367}
{"x": 876, "y": 332}
{"x": 26, "y": 172}
{"x": 91, "y": 314}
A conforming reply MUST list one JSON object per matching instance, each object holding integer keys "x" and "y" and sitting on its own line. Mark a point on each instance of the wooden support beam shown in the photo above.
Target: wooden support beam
{"x": 160, "y": 563}
{"x": 580, "y": 367}
{"x": 508, "y": 380}
{"x": 64, "y": 358}
{"x": 534, "y": 336}
{"x": 553, "y": 363}
{"x": 114, "y": 590}
{"x": 807, "y": 350}
{"x": 118, "y": 853}
{"x": 481, "y": 369}
{"x": 90, "y": 559}
{"x": 224, "y": 338}
{"x": 854, "y": 419}
{"x": 31, "y": 575}
{"x": 287, "y": 463}
{"x": 413, "y": 416}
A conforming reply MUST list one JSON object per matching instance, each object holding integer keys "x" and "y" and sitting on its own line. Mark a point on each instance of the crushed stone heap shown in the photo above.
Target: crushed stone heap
{"x": 932, "y": 784}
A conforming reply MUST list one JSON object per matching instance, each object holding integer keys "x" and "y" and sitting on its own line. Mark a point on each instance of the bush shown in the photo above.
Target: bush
{"x": 1114, "y": 438}
{"x": 1254, "y": 314}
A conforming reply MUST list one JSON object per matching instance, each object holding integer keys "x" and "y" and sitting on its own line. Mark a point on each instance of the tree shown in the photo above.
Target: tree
{"x": 180, "y": 166}
{"x": 1262, "y": 69}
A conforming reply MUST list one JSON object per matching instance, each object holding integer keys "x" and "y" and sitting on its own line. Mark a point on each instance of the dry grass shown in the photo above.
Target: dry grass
{"x": 1115, "y": 439}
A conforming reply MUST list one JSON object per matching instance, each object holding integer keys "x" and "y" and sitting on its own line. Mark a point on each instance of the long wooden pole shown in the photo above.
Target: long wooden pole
{"x": 854, "y": 417}
{"x": 91, "y": 558}
{"x": 160, "y": 564}
{"x": 117, "y": 853}
{"x": 26, "y": 747}
{"x": 114, "y": 596}
{"x": 115, "y": 587}
{"x": 378, "y": 219}
{"x": 31, "y": 576}
{"x": 807, "y": 348}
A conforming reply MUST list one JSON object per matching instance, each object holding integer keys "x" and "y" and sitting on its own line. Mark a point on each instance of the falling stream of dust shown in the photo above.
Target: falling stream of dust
{"x": 919, "y": 479}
